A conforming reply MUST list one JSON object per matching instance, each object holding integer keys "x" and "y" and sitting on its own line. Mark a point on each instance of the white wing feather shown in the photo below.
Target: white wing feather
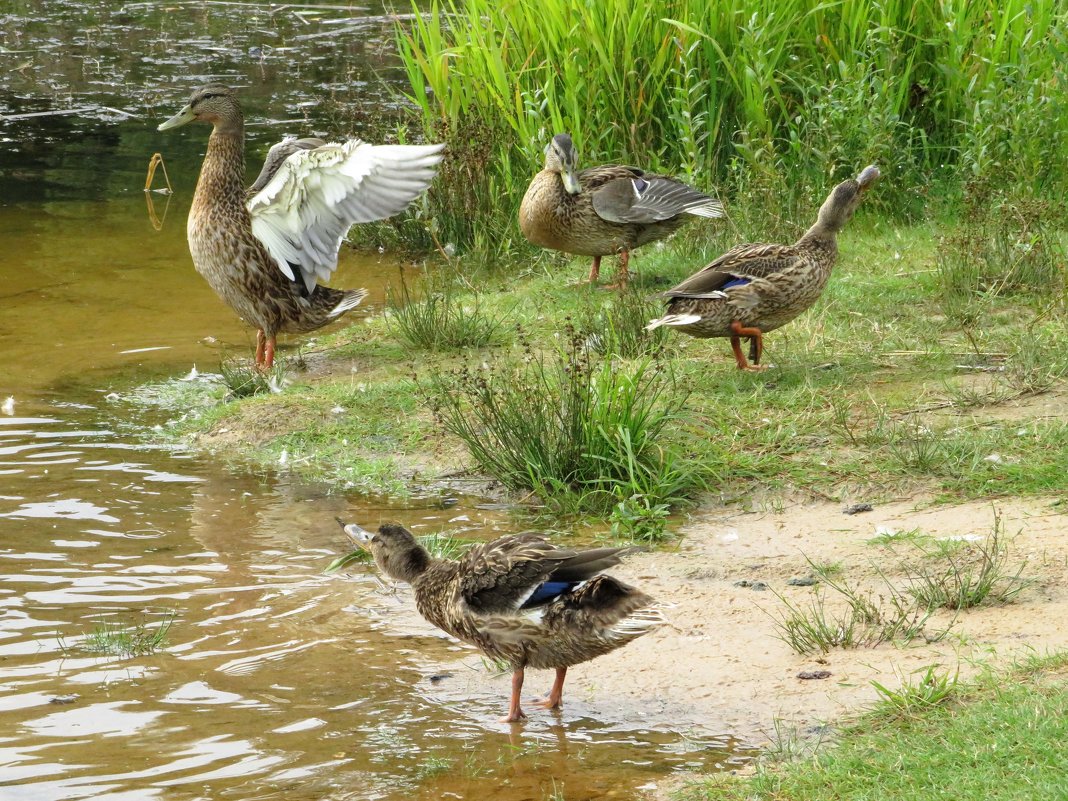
{"x": 305, "y": 210}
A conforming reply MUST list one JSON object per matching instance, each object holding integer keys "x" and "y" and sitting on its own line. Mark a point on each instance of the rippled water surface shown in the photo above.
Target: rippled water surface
{"x": 275, "y": 681}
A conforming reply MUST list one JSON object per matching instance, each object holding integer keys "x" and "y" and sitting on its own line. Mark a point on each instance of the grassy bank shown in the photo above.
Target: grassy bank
{"x": 1000, "y": 737}
{"x": 931, "y": 365}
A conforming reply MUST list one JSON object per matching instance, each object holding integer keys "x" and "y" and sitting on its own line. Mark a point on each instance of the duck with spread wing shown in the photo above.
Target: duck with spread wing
{"x": 265, "y": 251}
{"x": 519, "y": 599}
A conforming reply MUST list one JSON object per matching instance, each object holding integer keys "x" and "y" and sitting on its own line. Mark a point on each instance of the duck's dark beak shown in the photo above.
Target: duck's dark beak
{"x": 868, "y": 176}
{"x": 181, "y": 118}
{"x": 358, "y": 535}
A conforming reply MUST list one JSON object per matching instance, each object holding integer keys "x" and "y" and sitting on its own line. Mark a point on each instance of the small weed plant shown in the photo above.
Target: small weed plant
{"x": 441, "y": 317}
{"x": 973, "y": 574}
{"x": 916, "y": 697}
{"x": 865, "y": 620}
{"x": 119, "y": 639}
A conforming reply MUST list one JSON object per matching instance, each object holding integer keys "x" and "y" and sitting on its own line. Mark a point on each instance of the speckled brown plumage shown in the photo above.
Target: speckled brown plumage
{"x": 604, "y": 210}
{"x": 755, "y": 288}
{"x": 234, "y": 262}
{"x": 492, "y": 596}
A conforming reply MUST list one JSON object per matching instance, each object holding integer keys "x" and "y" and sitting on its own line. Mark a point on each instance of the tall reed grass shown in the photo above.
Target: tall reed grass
{"x": 770, "y": 99}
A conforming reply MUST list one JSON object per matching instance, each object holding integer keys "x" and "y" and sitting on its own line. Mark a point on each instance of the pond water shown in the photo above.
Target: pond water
{"x": 276, "y": 681}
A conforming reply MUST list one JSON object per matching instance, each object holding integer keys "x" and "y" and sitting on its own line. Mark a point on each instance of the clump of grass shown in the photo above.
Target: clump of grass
{"x": 893, "y": 536}
{"x": 916, "y": 698}
{"x": 441, "y": 317}
{"x": 865, "y": 621}
{"x": 432, "y": 765}
{"x": 582, "y": 433}
{"x": 243, "y": 379}
{"x": 977, "y": 574}
{"x": 618, "y": 327}
{"x": 119, "y": 639}
{"x": 438, "y": 543}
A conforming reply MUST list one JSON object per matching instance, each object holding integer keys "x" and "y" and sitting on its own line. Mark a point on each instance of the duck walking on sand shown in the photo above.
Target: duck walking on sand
{"x": 519, "y": 599}
{"x": 604, "y": 210}
{"x": 756, "y": 288}
{"x": 265, "y": 251}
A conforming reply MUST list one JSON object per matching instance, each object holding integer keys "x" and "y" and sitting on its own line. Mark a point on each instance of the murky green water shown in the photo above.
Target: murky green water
{"x": 277, "y": 682}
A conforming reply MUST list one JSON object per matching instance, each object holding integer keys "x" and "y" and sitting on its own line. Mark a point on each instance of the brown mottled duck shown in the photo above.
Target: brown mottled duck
{"x": 604, "y": 210}
{"x": 519, "y": 599}
{"x": 265, "y": 251}
{"x": 756, "y": 288}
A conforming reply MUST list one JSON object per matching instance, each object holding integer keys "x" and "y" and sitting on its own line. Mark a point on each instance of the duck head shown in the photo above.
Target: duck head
{"x": 839, "y": 206}
{"x": 214, "y": 103}
{"x": 561, "y": 157}
{"x": 395, "y": 550}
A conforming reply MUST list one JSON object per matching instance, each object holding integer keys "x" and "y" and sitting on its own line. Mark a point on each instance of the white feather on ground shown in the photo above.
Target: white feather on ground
{"x": 305, "y": 210}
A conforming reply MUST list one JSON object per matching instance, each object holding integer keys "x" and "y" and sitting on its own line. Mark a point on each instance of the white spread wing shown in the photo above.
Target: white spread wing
{"x": 304, "y": 211}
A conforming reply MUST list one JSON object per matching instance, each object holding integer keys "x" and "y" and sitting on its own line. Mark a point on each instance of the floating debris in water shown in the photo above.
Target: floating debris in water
{"x": 9, "y": 406}
{"x": 193, "y": 375}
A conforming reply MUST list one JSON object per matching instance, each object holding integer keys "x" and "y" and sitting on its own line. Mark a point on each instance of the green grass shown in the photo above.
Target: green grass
{"x": 766, "y": 100}
{"x": 867, "y": 396}
{"x": 582, "y": 432}
{"x": 441, "y": 316}
{"x": 120, "y": 639}
{"x": 995, "y": 739}
{"x": 970, "y": 575}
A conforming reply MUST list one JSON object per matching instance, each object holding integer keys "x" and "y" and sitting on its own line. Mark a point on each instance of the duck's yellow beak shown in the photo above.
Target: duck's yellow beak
{"x": 181, "y": 118}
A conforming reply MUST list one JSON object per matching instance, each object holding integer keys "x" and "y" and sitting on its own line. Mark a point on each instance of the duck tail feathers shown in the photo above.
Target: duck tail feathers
{"x": 349, "y": 301}
{"x": 673, "y": 320}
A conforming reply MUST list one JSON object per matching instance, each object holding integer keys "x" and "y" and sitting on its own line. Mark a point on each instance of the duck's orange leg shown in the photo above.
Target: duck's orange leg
{"x": 515, "y": 712}
{"x": 595, "y": 270}
{"x": 623, "y": 276}
{"x": 268, "y": 356}
{"x": 737, "y": 332}
{"x": 261, "y": 341}
{"x": 556, "y": 694}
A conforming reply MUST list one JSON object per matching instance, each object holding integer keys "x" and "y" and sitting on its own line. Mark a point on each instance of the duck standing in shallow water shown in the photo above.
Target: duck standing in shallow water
{"x": 265, "y": 251}
{"x": 753, "y": 289}
{"x": 519, "y": 599}
{"x": 604, "y": 210}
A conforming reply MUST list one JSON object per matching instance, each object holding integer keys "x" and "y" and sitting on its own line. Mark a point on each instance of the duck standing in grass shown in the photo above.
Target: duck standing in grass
{"x": 265, "y": 251}
{"x": 519, "y": 599}
{"x": 753, "y": 289}
{"x": 604, "y": 210}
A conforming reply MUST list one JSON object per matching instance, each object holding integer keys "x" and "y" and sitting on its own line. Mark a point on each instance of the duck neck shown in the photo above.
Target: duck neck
{"x": 412, "y": 566}
{"x": 822, "y": 236}
{"x": 222, "y": 177}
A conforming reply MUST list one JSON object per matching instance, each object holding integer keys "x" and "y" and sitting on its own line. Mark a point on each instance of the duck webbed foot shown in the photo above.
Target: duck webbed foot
{"x": 756, "y": 346}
